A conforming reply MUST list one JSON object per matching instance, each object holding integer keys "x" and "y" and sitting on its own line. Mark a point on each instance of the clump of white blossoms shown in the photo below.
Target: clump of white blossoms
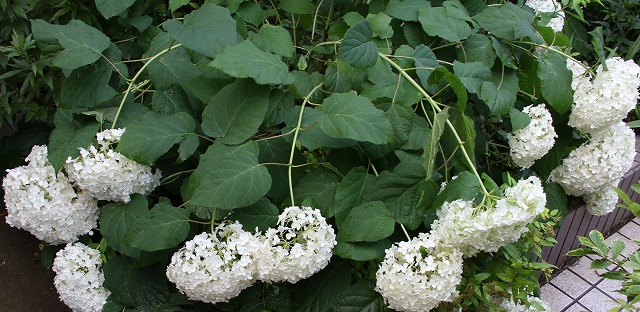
{"x": 550, "y": 7}
{"x": 79, "y": 278}
{"x": 601, "y": 203}
{"x": 300, "y": 246}
{"x": 419, "y": 274}
{"x": 598, "y": 163}
{"x": 109, "y": 175}
{"x": 535, "y": 140}
{"x": 46, "y": 204}
{"x": 608, "y": 98}
{"x": 511, "y": 306}
{"x": 215, "y": 267}
{"x": 470, "y": 229}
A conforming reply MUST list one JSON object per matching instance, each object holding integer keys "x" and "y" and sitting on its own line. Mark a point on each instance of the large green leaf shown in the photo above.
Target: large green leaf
{"x": 111, "y": 8}
{"x": 465, "y": 187}
{"x": 116, "y": 219}
{"x": 67, "y": 137}
{"x": 207, "y": 30}
{"x": 368, "y": 222}
{"x": 82, "y": 43}
{"x": 261, "y": 215}
{"x": 401, "y": 118}
{"x": 406, "y": 10}
{"x": 555, "y": 81}
{"x": 310, "y": 135}
{"x": 170, "y": 101}
{"x": 472, "y": 74}
{"x": 356, "y": 48}
{"x": 478, "y": 48}
{"x": 319, "y": 292}
{"x": 278, "y": 150}
{"x": 274, "y": 39}
{"x": 362, "y": 251}
{"x": 297, "y": 6}
{"x": 360, "y": 297}
{"x": 440, "y": 22}
{"x": 500, "y": 93}
{"x": 236, "y": 112}
{"x": 245, "y": 60}
{"x": 153, "y": 134}
{"x": 229, "y": 177}
{"x": 431, "y": 146}
{"x": 350, "y": 191}
{"x": 318, "y": 186}
{"x": 507, "y": 21}
{"x": 172, "y": 68}
{"x": 135, "y": 286}
{"x": 425, "y": 62}
{"x": 349, "y": 116}
{"x": 342, "y": 77}
{"x": 164, "y": 227}
{"x": 87, "y": 87}
{"x": 454, "y": 82}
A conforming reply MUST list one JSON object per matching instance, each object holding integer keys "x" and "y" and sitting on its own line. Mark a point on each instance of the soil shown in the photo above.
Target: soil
{"x": 25, "y": 284}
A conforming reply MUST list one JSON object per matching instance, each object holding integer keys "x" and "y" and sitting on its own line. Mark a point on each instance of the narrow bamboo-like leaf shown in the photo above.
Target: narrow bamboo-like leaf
{"x": 245, "y": 60}
{"x": 431, "y": 147}
{"x": 356, "y": 48}
{"x": 164, "y": 227}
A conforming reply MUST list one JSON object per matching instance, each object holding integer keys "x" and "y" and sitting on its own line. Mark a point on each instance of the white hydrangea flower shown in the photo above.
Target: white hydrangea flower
{"x": 598, "y": 163}
{"x": 419, "y": 274}
{"x": 461, "y": 225}
{"x": 215, "y": 268}
{"x": 79, "y": 278}
{"x": 608, "y": 98}
{"x": 46, "y": 204}
{"x": 601, "y": 203}
{"x": 549, "y": 6}
{"x": 109, "y": 175}
{"x": 511, "y": 306}
{"x": 535, "y": 140}
{"x": 299, "y": 247}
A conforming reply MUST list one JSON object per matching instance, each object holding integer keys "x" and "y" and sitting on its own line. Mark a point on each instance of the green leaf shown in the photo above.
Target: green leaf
{"x": 246, "y": 60}
{"x": 297, "y": 6}
{"x": 278, "y": 150}
{"x": 431, "y": 146}
{"x": 261, "y": 215}
{"x": 614, "y": 275}
{"x": 478, "y": 48}
{"x": 500, "y": 93}
{"x": 361, "y": 296}
{"x": 599, "y": 264}
{"x": 87, "y": 87}
{"x": 362, "y": 251}
{"x": 598, "y": 240}
{"x": 504, "y": 53}
{"x": 67, "y": 137}
{"x": 617, "y": 246}
{"x": 401, "y": 118}
{"x": 518, "y": 119}
{"x": 165, "y": 227}
{"x": 82, "y": 44}
{"x": 187, "y": 147}
{"x": 425, "y": 62}
{"x": 356, "y": 48}
{"x": 133, "y": 286}
{"x": 274, "y": 39}
{"x": 349, "y": 116}
{"x": 207, "y": 30}
{"x": 381, "y": 25}
{"x": 342, "y": 77}
{"x": 318, "y": 186}
{"x": 579, "y": 252}
{"x": 406, "y": 10}
{"x": 419, "y": 130}
{"x": 507, "y": 21}
{"x": 597, "y": 40}
{"x": 111, "y": 8}
{"x": 116, "y": 219}
{"x": 454, "y": 82}
{"x": 350, "y": 191}
{"x": 153, "y": 134}
{"x": 555, "y": 81}
{"x": 472, "y": 74}
{"x": 465, "y": 187}
{"x": 170, "y": 101}
{"x": 176, "y": 4}
{"x": 229, "y": 177}
{"x": 311, "y": 135}
{"x": 368, "y": 222}
{"x": 319, "y": 292}
{"x": 172, "y": 68}
{"x": 440, "y": 22}
{"x": 236, "y": 112}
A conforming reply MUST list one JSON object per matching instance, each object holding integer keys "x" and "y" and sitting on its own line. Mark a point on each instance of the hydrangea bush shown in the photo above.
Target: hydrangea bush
{"x": 332, "y": 155}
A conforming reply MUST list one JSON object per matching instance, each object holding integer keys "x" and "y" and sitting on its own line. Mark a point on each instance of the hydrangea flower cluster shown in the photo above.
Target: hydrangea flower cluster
{"x": 79, "y": 278}
{"x": 535, "y": 140}
{"x": 599, "y": 163}
{"x": 461, "y": 225}
{"x": 601, "y": 203}
{"x": 551, "y": 7}
{"x": 604, "y": 101}
{"x": 215, "y": 267}
{"x": 300, "y": 246}
{"x": 419, "y": 274}
{"x": 109, "y": 175}
{"x": 511, "y": 306}
{"x": 45, "y": 203}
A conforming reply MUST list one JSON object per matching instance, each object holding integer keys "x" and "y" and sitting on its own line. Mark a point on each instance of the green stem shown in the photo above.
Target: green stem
{"x": 438, "y": 109}
{"x": 513, "y": 44}
{"x": 295, "y": 139}
{"x": 133, "y": 81}
{"x": 405, "y": 231}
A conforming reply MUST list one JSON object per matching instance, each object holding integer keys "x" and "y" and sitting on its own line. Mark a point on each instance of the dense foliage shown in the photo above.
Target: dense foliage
{"x": 398, "y": 122}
